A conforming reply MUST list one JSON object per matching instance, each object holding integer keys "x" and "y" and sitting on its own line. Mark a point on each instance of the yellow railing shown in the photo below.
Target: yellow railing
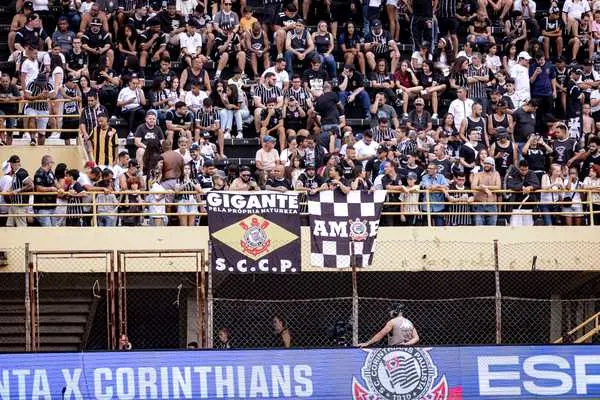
{"x": 504, "y": 208}
{"x": 594, "y": 319}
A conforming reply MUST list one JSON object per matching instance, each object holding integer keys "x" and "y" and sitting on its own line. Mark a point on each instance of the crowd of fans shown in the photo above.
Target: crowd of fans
{"x": 492, "y": 95}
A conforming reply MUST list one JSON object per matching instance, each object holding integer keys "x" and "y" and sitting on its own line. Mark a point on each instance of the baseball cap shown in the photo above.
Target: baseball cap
{"x": 382, "y": 149}
{"x": 269, "y": 139}
{"x": 501, "y": 132}
{"x": 96, "y": 21}
{"x": 489, "y": 160}
{"x": 6, "y": 168}
{"x": 420, "y": 101}
{"x": 28, "y": 4}
{"x": 411, "y": 175}
{"x": 525, "y": 55}
{"x": 194, "y": 146}
{"x": 152, "y": 111}
{"x": 153, "y": 21}
{"x": 32, "y": 17}
{"x": 310, "y": 166}
{"x": 206, "y": 135}
{"x": 208, "y": 162}
{"x": 376, "y": 23}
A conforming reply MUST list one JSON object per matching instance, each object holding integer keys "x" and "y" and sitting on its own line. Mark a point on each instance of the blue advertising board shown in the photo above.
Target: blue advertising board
{"x": 440, "y": 373}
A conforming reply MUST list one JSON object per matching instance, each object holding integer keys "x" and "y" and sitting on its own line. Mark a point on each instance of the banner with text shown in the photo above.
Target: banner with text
{"x": 439, "y": 373}
{"x": 254, "y": 232}
{"x": 344, "y": 227}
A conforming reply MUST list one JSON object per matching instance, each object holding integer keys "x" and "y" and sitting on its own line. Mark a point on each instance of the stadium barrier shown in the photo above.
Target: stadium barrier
{"x": 422, "y": 208}
{"x": 70, "y": 300}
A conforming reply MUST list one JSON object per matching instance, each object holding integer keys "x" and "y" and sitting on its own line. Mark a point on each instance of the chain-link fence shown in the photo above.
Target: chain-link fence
{"x": 161, "y": 299}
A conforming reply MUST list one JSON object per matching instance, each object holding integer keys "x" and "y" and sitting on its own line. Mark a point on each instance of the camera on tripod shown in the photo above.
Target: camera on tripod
{"x": 340, "y": 333}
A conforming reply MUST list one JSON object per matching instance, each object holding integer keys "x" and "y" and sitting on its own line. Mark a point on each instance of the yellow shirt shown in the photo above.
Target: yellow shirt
{"x": 246, "y": 23}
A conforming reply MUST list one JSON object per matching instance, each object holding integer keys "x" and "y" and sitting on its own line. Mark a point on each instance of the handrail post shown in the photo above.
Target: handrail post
{"x": 94, "y": 210}
{"x": 428, "y": 207}
{"x": 591, "y": 207}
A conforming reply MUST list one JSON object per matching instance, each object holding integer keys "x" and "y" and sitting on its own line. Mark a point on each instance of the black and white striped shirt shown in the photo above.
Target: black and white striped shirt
{"x": 447, "y": 8}
{"x": 477, "y": 89}
{"x": 206, "y": 118}
{"x": 265, "y": 93}
{"x": 18, "y": 181}
{"x": 301, "y": 95}
{"x": 34, "y": 89}
{"x": 382, "y": 135}
{"x": 89, "y": 117}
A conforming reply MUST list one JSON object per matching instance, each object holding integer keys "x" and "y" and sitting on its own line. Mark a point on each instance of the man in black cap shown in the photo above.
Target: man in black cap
{"x": 96, "y": 42}
{"x": 310, "y": 181}
{"x": 504, "y": 151}
{"x": 380, "y": 44}
{"x": 575, "y": 96}
{"x": 33, "y": 35}
{"x": 229, "y": 49}
{"x": 21, "y": 182}
{"x": 153, "y": 42}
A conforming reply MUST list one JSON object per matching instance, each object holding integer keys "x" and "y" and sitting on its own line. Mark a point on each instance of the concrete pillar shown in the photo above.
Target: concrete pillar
{"x": 192, "y": 318}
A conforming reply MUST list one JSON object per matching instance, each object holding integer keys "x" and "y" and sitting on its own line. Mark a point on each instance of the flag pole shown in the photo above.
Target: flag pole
{"x": 354, "y": 295}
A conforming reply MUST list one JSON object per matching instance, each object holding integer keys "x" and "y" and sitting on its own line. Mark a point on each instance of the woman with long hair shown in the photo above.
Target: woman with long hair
{"x": 127, "y": 44}
{"x": 458, "y": 73}
{"x": 60, "y": 173}
{"x": 85, "y": 88}
{"x": 552, "y": 183}
{"x": 174, "y": 92}
{"x": 295, "y": 169}
{"x": 573, "y": 197}
{"x": 324, "y": 46}
{"x": 408, "y": 84}
{"x": 443, "y": 56}
{"x": 159, "y": 98}
{"x": 349, "y": 43}
{"x": 448, "y": 130}
{"x": 187, "y": 207}
{"x": 509, "y": 59}
{"x": 593, "y": 182}
{"x": 231, "y": 110}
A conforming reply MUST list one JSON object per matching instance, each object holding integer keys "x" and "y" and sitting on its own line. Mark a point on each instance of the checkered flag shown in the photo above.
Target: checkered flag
{"x": 344, "y": 227}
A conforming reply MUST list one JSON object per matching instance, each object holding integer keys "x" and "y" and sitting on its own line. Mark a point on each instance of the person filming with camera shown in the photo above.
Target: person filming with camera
{"x": 399, "y": 330}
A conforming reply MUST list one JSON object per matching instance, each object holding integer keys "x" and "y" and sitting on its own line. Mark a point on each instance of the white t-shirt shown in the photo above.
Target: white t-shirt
{"x": 493, "y": 63}
{"x": 595, "y": 95}
{"x": 521, "y": 76}
{"x": 195, "y": 102}
{"x": 31, "y": 69}
{"x": 518, "y": 6}
{"x": 460, "y": 109}
{"x": 190, "y": 43}
{"x": 366, "y": 150}
{"x": 127, "y": 94}
{"x": 575, "y": 9}
{"x": 282, "y": 76}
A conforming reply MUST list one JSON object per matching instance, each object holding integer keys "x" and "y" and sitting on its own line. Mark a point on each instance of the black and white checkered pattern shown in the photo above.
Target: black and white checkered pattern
{"x": 331, "y": 248}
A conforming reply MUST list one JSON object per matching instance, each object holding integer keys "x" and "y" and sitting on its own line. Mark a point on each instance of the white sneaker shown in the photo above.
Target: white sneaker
{"x": 434, "y": 116}
{"x": 227, "y": 135}
{"x": 240, "y": 135}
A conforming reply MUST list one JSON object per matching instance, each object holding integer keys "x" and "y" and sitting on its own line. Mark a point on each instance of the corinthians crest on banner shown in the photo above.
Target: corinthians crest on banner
{"x": 254, "y": 232}
{"x": 344, "y": 227}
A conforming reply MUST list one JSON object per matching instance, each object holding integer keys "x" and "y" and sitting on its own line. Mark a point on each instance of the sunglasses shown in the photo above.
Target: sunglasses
{"x": 227, "y": 4}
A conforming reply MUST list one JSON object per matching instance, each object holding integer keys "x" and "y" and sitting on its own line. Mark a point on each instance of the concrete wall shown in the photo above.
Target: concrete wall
{"x": 398, "y": 249}
{"x": 31, "y": 156}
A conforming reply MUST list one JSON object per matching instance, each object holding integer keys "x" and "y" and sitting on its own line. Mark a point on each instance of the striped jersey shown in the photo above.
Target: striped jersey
{"x": 18, "y": 181}
{"x": 206, "y": 118}
{"x": 301, "y": 95}
{"x": 34, "y": 89}
{"x": 447, "y": 8}
{"x": 383, "y": 134}
{"x": 265, "y": 93}
{"x": 477, "y": 89}
{"x": 105, "y": 145}
{"x": 89, "y": 117}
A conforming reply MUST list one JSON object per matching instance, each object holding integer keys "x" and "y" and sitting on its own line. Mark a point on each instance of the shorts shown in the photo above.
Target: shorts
{"x": 448, "y": 26}
{"x": 40, "y": 122}
{"x": 187, "y": 206}
{"x": 169, "y": 184}
{"x": 69, "y": 123}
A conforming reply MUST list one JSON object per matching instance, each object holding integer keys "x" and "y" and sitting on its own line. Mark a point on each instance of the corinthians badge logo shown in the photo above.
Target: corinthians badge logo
{"x": 400, "y": 374}
{"x": 358, "y": 230}
{"x": 255, "y": 240}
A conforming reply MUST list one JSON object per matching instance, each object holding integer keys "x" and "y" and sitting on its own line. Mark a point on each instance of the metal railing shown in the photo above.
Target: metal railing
{"x": 590, "y": 208}
{"x": 595, "y": 329}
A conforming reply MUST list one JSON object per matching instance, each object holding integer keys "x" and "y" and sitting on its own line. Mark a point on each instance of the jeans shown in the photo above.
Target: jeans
{"x": 362, "y": 98}
{"x": 549, "y": 219}
{"x": 74, "y": 19}
{"x": 326, "y": 132}
{"x": 227, "y": 117}
{"x": 485, "y": 219}
{"x": 107, "y": 220}
{"x": 330, "y": 65}
{"x": 289, "y": 59}
{"x": 44, "y": 216}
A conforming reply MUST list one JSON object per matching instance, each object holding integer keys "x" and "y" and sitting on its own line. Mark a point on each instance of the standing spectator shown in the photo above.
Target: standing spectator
{"x": 504, "y": 151}
{"x": 484, "y": 183}
{"x": 552, "y": 183}
{"x": 573, "y": 208}
{"x": 435, "y": 184}
{"x": 39, "y": 91}
{"x": 475, "y": 122}
{"x": 592, "y": 182}
{"x": 21, "y": 182}
{"x": 9, "y": 97}
{"x": 520, "y": 73}
{"x": 543, "y": 89}
{"x": 45, "y": 181}
{"x": 524, "y": 182}
{"x": 461, "y": 199}
{"x": 565, "y": 149}
{"x": 478, "y": 75}
{"x": 103, "y": 142}
{"x": 537, "y": 153}
{"x": 88, "y": 119}
{"x": 524, "y": 124}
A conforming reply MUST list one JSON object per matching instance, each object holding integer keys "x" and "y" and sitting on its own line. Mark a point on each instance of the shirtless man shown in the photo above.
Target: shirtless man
{"x": 400, "y": 331}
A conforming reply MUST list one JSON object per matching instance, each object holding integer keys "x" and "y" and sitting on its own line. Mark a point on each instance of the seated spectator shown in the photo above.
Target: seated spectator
{"x": 349, "y": 43}
{"x": 229, "y": 49}
{"x": 380, "y": 44}
{"x": 244, "y": 182}
{"x": 131, "y": 100}
{"x": 299, "y": 46}
{"x": 271, "y": 120}
{"x": 324, "y": 46}
{"x": 257, "y": 46}
{"x": 153, "y": 42}
{"x": 97, "y": 42}
{"x": 278, "y": 182}
{"x": 267, "y": 157}
{"x": 352, "y": 88}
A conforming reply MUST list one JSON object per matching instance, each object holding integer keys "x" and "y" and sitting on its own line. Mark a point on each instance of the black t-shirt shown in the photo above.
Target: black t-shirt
{"x": 422, "y": 8}
{"x": 524, "y": 125}
{"x": 386, "y": 180}
{"x": 564, "y": 150}
{"x": 205, "y": 181}
{"x": 177, "y": 119}
{"x": 293, "y": 120}
{"x": 275, "y": 118}
{"x": 469, "y": 154}
{"x": 354, "y": 82}
{"x": 314, "y": 182}
{"x": 30, "y": 37}
{"x": 315, "y": 79}
{"x": 573, "y": 102}
{"x": 147, "y": 35}
{"x": 46, "y": 179}
{"x": 146, "y": 133}
{"x": 275, "y": 183}
{"x": 326, "y": 106}
{"x": 587, "y": 164}
{"x": 95, "y": 40}
{"x": 374, "y": 167}
{"x": 10, "y": 91}
{"x": 348, "y": 169}
{"x": 283, "y": 20}
{"x": 444, "y": 167}
{"x": 536, "y": 157}
{"x": 168, "y": 23}
{"x": 77, "y": 61}
{"x": 138, "y": 24}
{"x": 233, "y": 44}
{"x": 405, "y": 170}
{"x": 166, "y": 76}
